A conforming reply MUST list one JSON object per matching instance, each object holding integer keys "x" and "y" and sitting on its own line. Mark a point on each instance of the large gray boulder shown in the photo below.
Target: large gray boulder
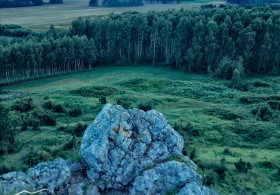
{"x": 163, "y": 178}
{"x": 134, "y": 149}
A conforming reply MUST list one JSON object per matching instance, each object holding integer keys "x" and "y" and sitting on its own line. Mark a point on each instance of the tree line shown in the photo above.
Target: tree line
{"x": 25, "y": 3}
{"x": 115, "y": 3}
{"x": 224, "y": 42}
{"x": 32, "y": 57}
{"x": 128, "y": 2}
{"x": 212, "y": 41}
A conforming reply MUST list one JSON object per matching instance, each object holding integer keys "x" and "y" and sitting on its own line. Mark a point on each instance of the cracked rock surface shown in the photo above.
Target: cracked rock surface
{"x": 126, "y": 152}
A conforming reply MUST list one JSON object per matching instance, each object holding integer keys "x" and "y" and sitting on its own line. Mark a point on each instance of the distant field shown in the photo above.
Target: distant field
{"x": 219, "y": 124}
{"x": 39, "y": 18}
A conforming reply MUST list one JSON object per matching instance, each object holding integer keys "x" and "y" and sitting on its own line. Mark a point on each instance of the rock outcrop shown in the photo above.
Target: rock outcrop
{"x": 126, "y": 152}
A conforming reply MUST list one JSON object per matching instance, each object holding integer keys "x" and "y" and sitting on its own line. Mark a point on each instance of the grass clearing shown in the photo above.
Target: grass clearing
{"x": 208, "y": 114}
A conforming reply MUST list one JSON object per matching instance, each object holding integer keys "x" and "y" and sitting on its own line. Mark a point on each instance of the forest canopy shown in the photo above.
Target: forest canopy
{"x": 25, "y": 3}
{"x": 115, "y": 2}
{"x": 222, "y": 42}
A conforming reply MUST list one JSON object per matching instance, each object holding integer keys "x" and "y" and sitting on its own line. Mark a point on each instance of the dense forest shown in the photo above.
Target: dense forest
{"x": 224, "y": 42}
{"x": 248, "y": 1}
{"x": 20, "y": 3}
{"x": 128, "y": 2}
{"x": 25, "y": 3}
{"x": 115, "y": 2}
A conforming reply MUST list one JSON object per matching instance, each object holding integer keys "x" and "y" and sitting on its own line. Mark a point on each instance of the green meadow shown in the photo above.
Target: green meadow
{"x": 220, "y": 125}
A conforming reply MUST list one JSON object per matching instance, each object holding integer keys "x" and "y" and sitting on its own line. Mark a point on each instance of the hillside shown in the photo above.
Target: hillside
{"x": 122, "y": 152}
{"x": 220, "y": 125}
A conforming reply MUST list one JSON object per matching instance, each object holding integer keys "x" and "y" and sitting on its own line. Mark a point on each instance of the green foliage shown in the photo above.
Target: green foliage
{"x": 75, "y": 112}
{"x": 8, "y": 129}
{"x": 187, "y": 128}
{"x": 145, "y": 107}
{"x": 56, "y": 1}
{"x": 261, "y": 84}
{"x": 96, "y": 91}
{"x": 23, "y": 105}
{"x": 243, "y": 166}
{"x": 265, "y": 113}
{"x": 45, "y": 118}
{"x": 58, "y": 108}
{"x": 204, "y": 110}
{"x": 124, "y": 102}
{"x": 224, "y": 113}
{"x": 80, "y": 129}
{"x": 212, "y": 41}
{"x": 48, "y": 105}
{"x": 115, "y": 3}
{"x": 12, "y": 26}
{"x": 22, "y": 3}
{"x": 103, "y": 100}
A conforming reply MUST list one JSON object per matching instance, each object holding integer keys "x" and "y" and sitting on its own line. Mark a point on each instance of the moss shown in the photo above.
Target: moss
{"x": 85, "y": 188}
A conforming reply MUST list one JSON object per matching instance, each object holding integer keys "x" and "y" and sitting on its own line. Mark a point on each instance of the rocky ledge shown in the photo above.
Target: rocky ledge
{"x": 124, "y": 152}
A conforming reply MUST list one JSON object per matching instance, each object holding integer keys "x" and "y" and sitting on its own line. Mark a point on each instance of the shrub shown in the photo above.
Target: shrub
{"x": 221, "y": 171}
{"x": 125, "y": 104}
{"x": 227, "y": 151}
{"x": 44, "y": 118}
{"x": 209, "y": 180}
{"x": 47, "y": 105}
{"x": 188, "y": 127}
{"x": 58, "y": 108}
{"x": 267, "y": 164}
{"x": 35, "y": 124}
{"x": 8, "y": 129}
{"x": 223, "y": 113}
{"x": 177, "y": 127}
{"x": 274, "y": 104}
{"x": 71, "y": 144}
{"x": 246, "y": 86}
{"x": 193, "y": 154}
{"x": 23, "y": 105}
{"x": 260, "y": 84}
{"x": 145, "y": 107}
{"x": 5, "y": 169}
{"x": 103, "y": 100}
{"x": 225, "y": 68}
{"x": 247, "y": 100}
{"x": 80, "y": 129}
{"x": 96, "y": 91}
{"x": 75, "y": 112}
{"x": 12, "y": 26}
{"x": 264, "y": 112}
{"x": 61, "y": 128}
{"x": 243, "y": 166}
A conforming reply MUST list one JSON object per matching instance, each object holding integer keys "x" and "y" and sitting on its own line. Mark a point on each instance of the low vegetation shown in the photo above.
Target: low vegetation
{"x": 235, "y": 142}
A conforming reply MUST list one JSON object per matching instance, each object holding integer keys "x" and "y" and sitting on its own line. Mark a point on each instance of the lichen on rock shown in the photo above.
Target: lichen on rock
{"x": 121, "y": 144}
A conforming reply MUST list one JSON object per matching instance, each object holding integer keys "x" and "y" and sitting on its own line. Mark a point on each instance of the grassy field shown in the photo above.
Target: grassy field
{"x": 216, "y": 121}
{"x": 39, "y": 18}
